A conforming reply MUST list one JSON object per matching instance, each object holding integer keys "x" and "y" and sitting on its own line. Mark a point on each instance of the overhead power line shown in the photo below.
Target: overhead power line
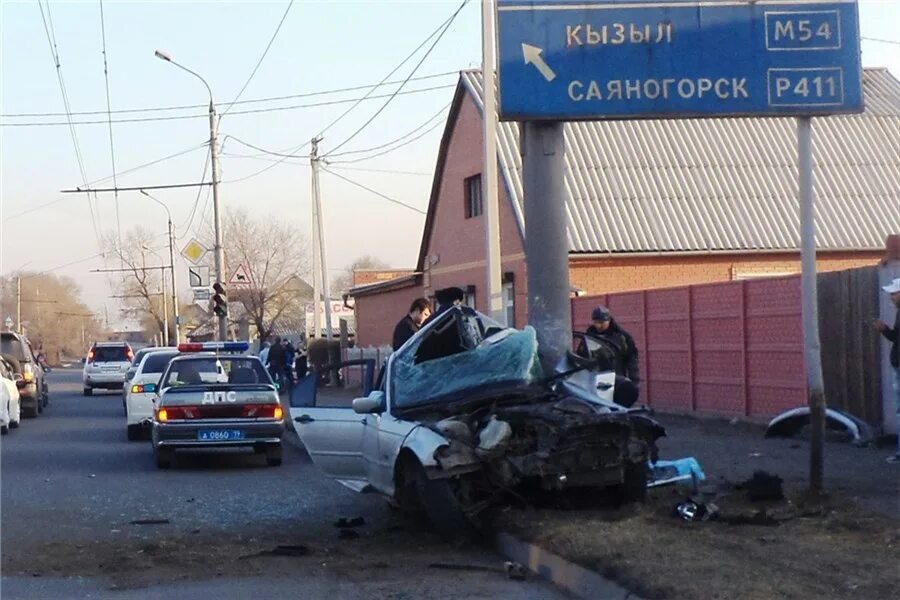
{"x": 394, "y": 141}
{"x": 120, "y": 111}
{"x": 149, "y": 164}
{"x": 237, "y": 112}
{"x": 389, "y": 150}
{"x": 261, "y": 58}
{"x": 185, "y": 227}
{"x": 33, "y": 209}
{"x": 379, "y": 194}
{"x": 47, "y": 20}
{"x": 112, "y": 147}
{"x": 394, "y": 70}
{"x": 881, "y": 40}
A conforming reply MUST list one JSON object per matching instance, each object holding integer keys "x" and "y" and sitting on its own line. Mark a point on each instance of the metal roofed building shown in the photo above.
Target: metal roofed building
{"x": 659, "y": 203}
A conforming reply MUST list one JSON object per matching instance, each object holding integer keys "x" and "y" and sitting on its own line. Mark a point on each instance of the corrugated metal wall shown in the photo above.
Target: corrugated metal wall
{"x": 736, "y": 348}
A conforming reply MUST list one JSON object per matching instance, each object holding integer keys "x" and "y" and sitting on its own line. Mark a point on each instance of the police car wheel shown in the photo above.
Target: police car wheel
{"x": 164, "y": 457}
{"x": 134, "y": 433}
{"x": 273, "y": 456}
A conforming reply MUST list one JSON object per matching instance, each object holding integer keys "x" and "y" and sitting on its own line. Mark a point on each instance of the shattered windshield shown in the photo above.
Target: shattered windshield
{"x": 462, "y": 352}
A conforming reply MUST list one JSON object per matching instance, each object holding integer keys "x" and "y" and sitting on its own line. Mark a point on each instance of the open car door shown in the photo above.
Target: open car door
{"x": 326, "y": 424}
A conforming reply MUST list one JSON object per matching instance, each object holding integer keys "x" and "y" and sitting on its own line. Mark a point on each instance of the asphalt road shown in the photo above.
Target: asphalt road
{"x": 72, "y": 485}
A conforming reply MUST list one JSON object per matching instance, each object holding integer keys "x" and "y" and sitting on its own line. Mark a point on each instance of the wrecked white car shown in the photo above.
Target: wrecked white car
{"x": 465, "y": 418}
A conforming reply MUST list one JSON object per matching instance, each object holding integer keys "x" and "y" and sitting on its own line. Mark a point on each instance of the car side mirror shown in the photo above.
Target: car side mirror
{"x": 129, "y": 375}
{"x": 373, "y": 403}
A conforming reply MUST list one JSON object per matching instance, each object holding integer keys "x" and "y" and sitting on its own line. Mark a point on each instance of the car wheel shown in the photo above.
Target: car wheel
{"x": 13, "y": 424}
{"x": 441, "y": 500}
{"x": 88, "y": 391}
{"x": 4, "y": 429}
{"x": 164, "y": 457}
{"x": 30, "y": 412}
{"x": 273, "y": 456}
{"x": 634, "y": 485}
{"x": 134, "y": 433}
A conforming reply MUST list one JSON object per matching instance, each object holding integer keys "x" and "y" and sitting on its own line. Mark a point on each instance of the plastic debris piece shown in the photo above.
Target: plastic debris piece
{"x": 515, "y": 570}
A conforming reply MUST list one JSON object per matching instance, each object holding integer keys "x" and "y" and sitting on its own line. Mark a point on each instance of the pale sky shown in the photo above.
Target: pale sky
{"x": 321, "y": 46}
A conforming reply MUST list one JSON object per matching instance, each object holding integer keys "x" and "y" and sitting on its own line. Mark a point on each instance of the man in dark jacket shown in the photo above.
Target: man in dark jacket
{"x": 277, "y": 361}
{"x": 604, "y": 327}
{"x": 892, "y": 334}
{"x": 419, "y": 311}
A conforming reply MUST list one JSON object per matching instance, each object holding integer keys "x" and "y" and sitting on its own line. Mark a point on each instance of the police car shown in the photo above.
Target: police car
{"x": 213, "y": 396}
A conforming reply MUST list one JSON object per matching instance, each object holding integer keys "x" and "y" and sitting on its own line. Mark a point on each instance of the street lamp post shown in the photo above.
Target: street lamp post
{"x": 171, "y": 265}
{"x": 214, "y": 161}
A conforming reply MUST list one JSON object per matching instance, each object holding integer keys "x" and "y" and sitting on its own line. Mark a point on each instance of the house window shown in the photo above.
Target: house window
{"x": 509, "y": 303}
{"x": 474, "y": 206}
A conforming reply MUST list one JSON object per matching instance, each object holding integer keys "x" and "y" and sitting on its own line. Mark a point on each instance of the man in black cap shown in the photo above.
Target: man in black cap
{"x": 604, "y": 327}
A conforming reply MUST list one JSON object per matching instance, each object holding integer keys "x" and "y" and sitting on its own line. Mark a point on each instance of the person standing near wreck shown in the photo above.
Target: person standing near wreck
{"x": 892, "y": 334}
{"x": 604, "y": 327}
{"x": 419, "y": 311}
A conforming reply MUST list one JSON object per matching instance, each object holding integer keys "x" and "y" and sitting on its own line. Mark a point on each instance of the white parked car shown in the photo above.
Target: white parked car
{"x": 9, "y": 396}
{"x": 106, "y": 366}
{"x": 142, "y": 390}
{"x": 466, "y": 417}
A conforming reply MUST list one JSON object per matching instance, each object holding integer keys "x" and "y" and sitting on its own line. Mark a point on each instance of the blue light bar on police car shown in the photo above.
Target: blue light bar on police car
{"x": 214, "y": 347}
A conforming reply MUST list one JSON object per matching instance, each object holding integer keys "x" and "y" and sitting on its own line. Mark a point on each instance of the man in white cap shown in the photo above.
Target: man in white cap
{"x": 893, "y": 336}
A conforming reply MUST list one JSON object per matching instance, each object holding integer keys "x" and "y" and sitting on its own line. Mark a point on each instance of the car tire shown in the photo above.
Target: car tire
{"x": 14, "y": 424}
{"x": 4, "y": 429}
{"x": 30, "y": 412}
{"x": 274, "y": 456}
{"x": 634, "y": 485}
{"x": 164, "y": 457}
{"x": 443, "y": 508}
{"x": 87, "y": 392}
{"x": 134, "y": 433}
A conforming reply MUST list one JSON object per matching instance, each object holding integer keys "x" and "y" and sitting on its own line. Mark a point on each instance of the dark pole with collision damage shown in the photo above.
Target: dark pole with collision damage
{"x": 546, "y": 238}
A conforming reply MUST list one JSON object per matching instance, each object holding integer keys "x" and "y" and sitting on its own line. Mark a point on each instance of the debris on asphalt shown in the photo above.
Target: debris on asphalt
{"x": 348, "y": 534}
{"x": 91, "y": 475}
{"x": 763, "y": 486}
{"x": 150, "y": 522}
{"x": 281, "y": 550}
{"x": 515, "y": 570}
{"x": 683, "y": 471}
{"x": 347, "y": 523}
{"x": 755, "y": 454}
{"x": 463, "y": 567}
{"x": 696, "y": 510}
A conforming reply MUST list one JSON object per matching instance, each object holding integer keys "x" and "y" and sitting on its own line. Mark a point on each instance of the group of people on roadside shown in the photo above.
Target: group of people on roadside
{"x": 282, "y": 360}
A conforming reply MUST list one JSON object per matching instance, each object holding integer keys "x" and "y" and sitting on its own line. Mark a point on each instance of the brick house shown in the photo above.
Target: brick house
{"x": 657, "y": 203}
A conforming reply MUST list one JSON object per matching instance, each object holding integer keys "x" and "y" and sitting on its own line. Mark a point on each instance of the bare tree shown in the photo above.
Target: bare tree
{"x": 140, "y": 286}
{"x": 344, "y": 281}
{"x": 277, "y": 260}
{"x": 54, "y": 316}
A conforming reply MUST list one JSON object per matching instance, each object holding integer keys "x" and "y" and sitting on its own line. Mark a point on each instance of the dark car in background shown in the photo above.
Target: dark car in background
{"x": 17, "y": 351}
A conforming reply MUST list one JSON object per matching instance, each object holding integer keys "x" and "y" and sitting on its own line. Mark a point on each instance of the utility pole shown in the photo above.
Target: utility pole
{"x": 171, "y": 264}
{"x": 214, "y": 162}
{"x": 19, "y": 304}
{"x": 493, "y": 263}
{"x": 165, "y": 310}
{"x": 809, "y": 298}
{"x": 217, "y": 214}
{"x": 320, "y": 234}
{"x": 546, "y": 242}
{"x": 317, "y": 287}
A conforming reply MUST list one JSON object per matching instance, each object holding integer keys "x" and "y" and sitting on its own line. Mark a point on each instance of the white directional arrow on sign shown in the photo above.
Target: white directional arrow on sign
{"x": 533, "y": 56}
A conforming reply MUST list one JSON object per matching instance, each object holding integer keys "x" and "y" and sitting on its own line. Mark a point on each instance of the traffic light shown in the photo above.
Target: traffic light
{"x": 220, "y": 300}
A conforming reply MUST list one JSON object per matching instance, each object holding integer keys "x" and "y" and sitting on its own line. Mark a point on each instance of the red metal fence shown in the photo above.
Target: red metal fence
{"x": 726, "y": 349}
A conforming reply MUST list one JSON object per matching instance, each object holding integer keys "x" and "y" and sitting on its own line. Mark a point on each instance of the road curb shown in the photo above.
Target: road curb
{"x": 573, "y": 578}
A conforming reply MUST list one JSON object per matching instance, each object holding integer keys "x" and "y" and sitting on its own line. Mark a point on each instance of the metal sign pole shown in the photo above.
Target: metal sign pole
{"x": 546, "y": 239}
{"x": 490, "y": 194}
{"x": 812, "y": 346}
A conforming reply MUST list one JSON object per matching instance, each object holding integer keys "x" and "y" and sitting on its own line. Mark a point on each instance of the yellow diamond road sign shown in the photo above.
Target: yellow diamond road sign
{"x": 194, "y": 251}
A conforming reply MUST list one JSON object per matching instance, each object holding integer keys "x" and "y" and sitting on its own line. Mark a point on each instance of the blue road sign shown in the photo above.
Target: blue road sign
{"x": 571, "y": 60}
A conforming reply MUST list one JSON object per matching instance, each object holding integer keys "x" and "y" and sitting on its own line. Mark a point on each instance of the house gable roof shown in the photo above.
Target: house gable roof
{"x": 712, "y": 185}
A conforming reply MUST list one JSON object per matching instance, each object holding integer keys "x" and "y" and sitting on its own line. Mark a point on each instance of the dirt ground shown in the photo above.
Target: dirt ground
{"x": 846, "y": 546}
